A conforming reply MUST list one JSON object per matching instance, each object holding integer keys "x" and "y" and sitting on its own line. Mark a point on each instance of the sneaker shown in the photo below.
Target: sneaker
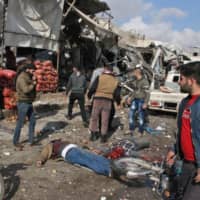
{"x": 138, "y": 134}
{"x": 32, "y": 144}
{"x": 142, "y": 134}
{"x": 111, "y": 128}
{"x": 69, "y": 117}
{"x": 19, "y": 146}
{"x": 130, "y": 133}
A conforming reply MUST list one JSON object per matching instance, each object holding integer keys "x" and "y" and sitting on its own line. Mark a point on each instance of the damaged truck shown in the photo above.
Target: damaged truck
{"x": 160, "y": 67}
{"x": 165, "y": 91}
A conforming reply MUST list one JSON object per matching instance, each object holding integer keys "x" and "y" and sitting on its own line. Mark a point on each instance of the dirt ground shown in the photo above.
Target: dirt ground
{"x": 62, "y": 181}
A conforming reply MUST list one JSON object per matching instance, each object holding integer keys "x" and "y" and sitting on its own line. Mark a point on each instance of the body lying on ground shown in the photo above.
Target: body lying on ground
{"x": 74, "y": 154}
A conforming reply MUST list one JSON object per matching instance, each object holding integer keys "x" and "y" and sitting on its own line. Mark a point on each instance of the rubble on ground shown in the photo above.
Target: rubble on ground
{"x": 59, "y": 180}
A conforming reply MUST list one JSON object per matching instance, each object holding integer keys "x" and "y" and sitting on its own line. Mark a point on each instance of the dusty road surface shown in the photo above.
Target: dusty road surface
{"x": 58, "y": 180}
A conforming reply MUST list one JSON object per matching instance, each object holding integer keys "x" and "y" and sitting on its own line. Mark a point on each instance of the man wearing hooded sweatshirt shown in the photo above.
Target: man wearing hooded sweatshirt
{"x": 77, "y": 84}
{"x": 26, "y": 93}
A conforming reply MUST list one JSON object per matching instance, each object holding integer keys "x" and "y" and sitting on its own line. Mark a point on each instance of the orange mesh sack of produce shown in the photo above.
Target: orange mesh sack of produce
{"x": 47, "y": 76}
{"x": 10, "y": 102}
{"x": 7, "y": 78}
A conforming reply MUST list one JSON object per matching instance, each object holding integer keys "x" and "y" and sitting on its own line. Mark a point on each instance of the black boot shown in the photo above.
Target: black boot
{"x": 103, "y": 138}
{"x": 69, "y": 117}
{"x": 86, "y": 124}
{"x": 94, "y": 136}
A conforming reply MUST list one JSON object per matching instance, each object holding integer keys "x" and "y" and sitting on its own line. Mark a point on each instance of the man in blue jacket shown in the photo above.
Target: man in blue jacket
{"x": 188, "y": 138}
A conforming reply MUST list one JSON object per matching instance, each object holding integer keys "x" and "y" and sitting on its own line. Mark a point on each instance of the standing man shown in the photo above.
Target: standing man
{"x": 97, "y": 72}
{"x": 26, "y": 93}
{"x": 105, "y": 89}
{"x": 138, "y": 99}
{"x": 188, "y": 138}
{"x": 78, "y": 85}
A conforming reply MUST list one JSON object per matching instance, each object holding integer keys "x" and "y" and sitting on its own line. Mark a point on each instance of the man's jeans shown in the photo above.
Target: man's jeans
{"x": 187, "y": 188}
{"x": 136, "y": 106}
{"x": 24, "y": 109}
{"x": 97, "y": 163}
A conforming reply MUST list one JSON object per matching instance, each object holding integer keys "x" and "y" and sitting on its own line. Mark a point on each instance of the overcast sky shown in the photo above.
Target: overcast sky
{"x": 173, "y": 21}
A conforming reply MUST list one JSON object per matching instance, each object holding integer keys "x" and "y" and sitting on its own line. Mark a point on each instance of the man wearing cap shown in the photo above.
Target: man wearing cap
{"x": 97, "y": 72}
{"x": 138, "y": 99}
{"x": 104, "y": 90}
{"x": 26, "y": 93}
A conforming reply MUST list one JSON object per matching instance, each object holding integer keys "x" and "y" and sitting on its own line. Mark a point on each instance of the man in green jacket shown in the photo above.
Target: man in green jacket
{"x": 138, "y": 99}
{"x": 26, "y": 93}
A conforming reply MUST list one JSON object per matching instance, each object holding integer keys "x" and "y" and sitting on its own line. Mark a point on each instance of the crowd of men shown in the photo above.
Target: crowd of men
{"x": 104, "y": 93}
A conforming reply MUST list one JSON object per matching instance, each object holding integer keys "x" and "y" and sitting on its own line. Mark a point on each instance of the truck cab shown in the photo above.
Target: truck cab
{"x": 168, "y": 96}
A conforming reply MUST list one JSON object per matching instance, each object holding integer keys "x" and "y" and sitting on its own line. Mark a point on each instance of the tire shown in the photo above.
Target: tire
{"x": 2, "y": 189}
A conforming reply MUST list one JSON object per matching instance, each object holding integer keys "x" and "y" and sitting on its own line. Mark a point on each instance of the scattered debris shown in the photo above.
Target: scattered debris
{"x": 6, "y": 153}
